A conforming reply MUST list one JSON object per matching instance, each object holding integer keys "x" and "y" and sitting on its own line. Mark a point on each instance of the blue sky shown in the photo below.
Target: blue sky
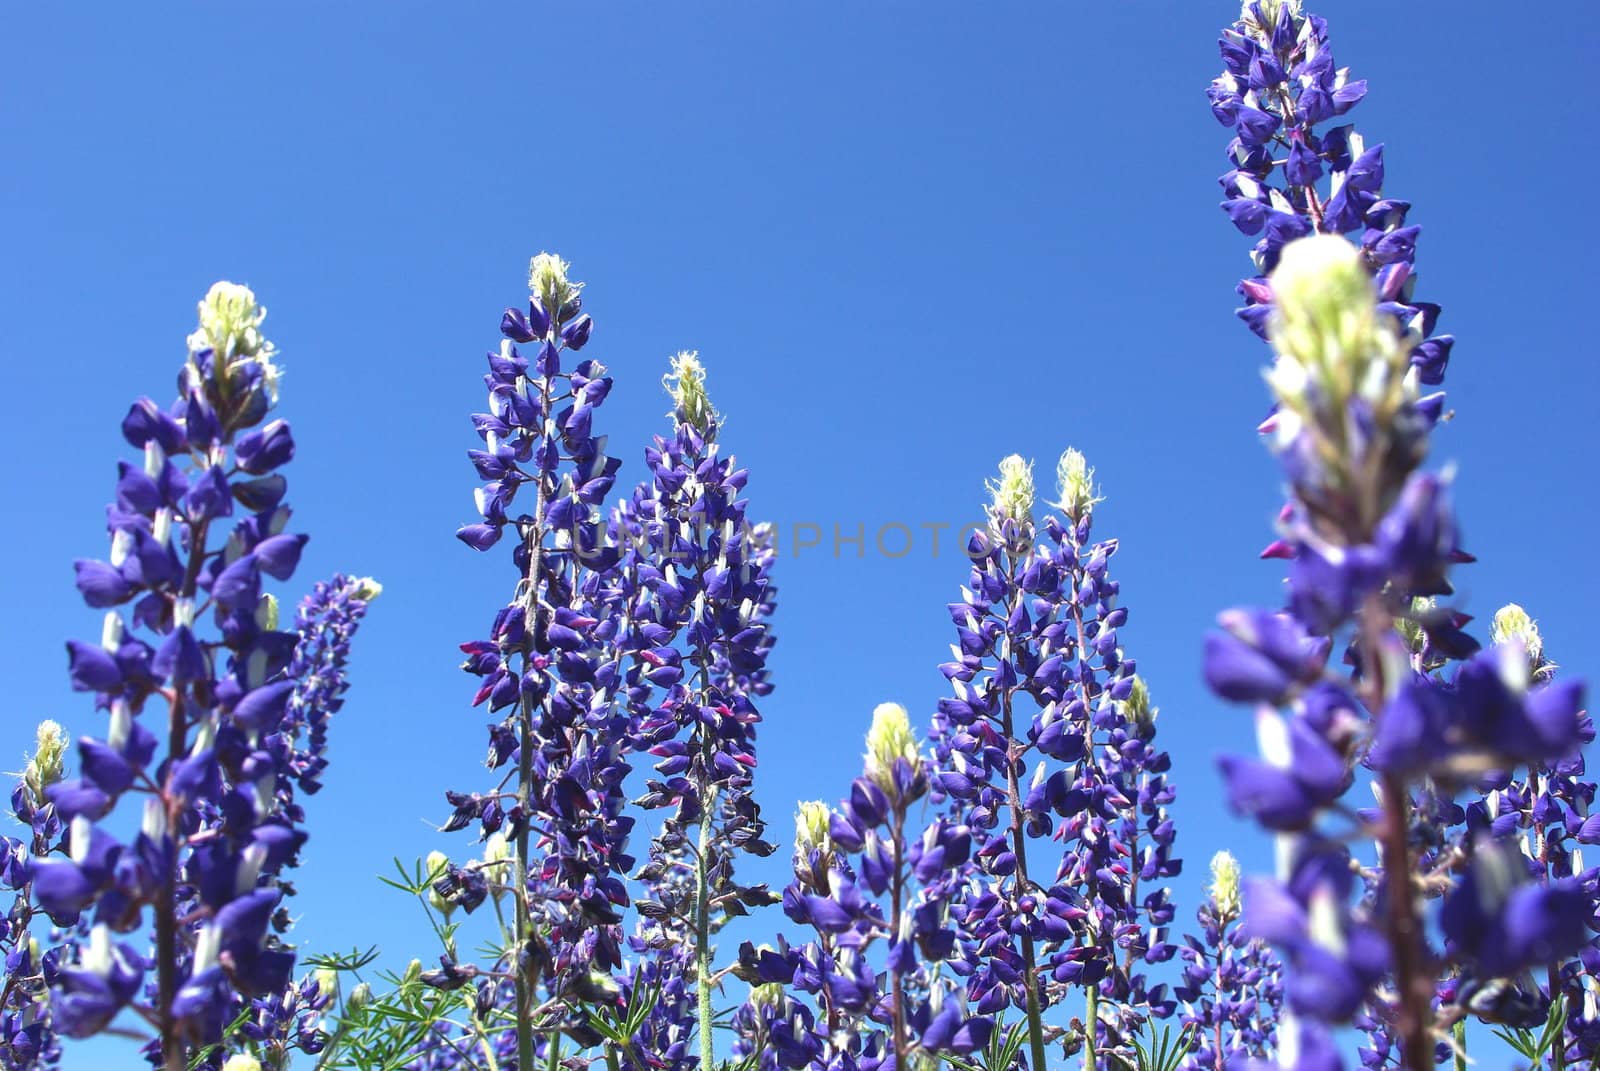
{"x": 906, "y": 238}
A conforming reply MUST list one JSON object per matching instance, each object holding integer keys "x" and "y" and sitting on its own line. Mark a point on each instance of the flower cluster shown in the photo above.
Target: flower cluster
{"x": 196, "y": 530}
{"x": 547, "y": 666}
{"x": 1039, "y": 667}
{"x": 1370, "y": 539}
{"x": 695, "y": 583}
{"x": 865, "y": 880}
{"x": 1231, "y": 986}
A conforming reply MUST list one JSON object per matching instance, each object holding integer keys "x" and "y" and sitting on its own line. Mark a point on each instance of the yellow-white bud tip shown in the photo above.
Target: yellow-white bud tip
{"x": 1512, "y": 624}
{"x": 1330, "y": 340}
{"x": 241, "y": 1061}
{"x": 327, "y": 980}
{"x": 811, "y": 827}
{"x": 1075, "y": 485}
{"x": 1012, "y": 493}
{"x": 547, "y": 279}
{"x": 230, "y": 325}
{"x": 361, "y": 994}
{"x": 890, "y": 738}
{"x": 367, "y": 589}
{"x": 496, "y": 849}
{"x": 434, "y": 869}
{"x": 769, "y": 994}
{"x": 47, "y": 764}
{"x": 1137, "y": 708}
{"x": 1225, "y": 884}
{"x": 686, "y": 383}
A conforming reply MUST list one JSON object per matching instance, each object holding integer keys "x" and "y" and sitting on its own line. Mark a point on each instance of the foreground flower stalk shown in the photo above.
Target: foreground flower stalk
{"x": 1370, "y": 539}
{"x": 220, "y": 822}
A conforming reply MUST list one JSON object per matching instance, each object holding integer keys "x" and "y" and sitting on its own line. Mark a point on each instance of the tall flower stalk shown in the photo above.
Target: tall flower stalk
{"x": 195, "y": 530}
{"x": 1231, "y": 987}
{"x": 695, "y": 577}
{"x": 1370, "y": 540}
{"x": 546, "y": 664}
{"x": 1040, "y": 676}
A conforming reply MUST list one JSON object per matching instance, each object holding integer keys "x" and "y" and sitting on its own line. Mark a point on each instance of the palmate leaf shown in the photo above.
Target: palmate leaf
{"x": 1536, "y": 1044}
{"x": 1161, "y": 1052}
{"x": 999, "y": 1055}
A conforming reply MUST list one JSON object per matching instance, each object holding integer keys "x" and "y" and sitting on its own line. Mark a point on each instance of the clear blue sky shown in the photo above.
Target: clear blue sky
{"x": 907, "y": 239}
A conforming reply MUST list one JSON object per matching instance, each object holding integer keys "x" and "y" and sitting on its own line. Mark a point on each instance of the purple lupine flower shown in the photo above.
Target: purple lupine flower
{"x": 695, "y": 578}
{"x": 195, "y": 532}
{"x": 1231, "y": 988}
{"x": 1040, "y": 667}
{"x": 28, "y": 1035}
{"x": 864, "y": 882}
{"x": 549, "y": 663}
{"x": 1370, "y": 540}
{"x": 1545, "y": 808}
{"x": 326, "y": 622}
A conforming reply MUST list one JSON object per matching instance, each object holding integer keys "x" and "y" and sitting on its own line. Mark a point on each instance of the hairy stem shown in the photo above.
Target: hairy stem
{"x": 702, "y": 933}
{"x": 1091, "y": 1027}
{"x": 1019, "y": 846}
{"x": 526, "y": 713}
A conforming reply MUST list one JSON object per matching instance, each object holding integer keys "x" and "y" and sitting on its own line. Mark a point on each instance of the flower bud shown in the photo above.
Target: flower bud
{"x": 890, "y": 739}
{"x": 811, "y": 828}
{"x": 47, "y": 764}
{"x": 241, "y": 1061}
{"x": 230, "y": 326}
{"x": 1012, "y": 493}
{"x": 361, "y": 995}
{"x": 686, "y": 383}
{"x": 267, "y": 613}
{"x": 547, "y": 279}
{"x": 1513, "y": 625}
{"x": 769, "y": 995}
{"x": 496, "y": 852}
{"x": 1075, "y": 485}
{"x": 1225, "y": 884}
{"x": 1330, "y": 340}
{"x": 437, "y": 866}
{"x": 327, "y": 980}
{"x": 366, "y": 589}
{"x": 1138, "y": 709}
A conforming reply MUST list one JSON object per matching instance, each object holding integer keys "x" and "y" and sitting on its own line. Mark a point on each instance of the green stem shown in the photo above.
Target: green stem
{"x": 1461, "y": 1044}
{"x": 702, "y": 935}
{"x": 1091, "y": 1027}
{"x": 524, "y": 923}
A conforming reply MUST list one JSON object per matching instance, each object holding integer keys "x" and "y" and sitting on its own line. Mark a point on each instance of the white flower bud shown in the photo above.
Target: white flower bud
{"x": 230, "y": 325}
{"x": 1012, "y": 493}
{"x": 366, "y": 589}
{"x": 811, "y": 828}
{"x": 242, "y": 1061}
{"x": 436, "y": 867}
{"x": 1512, "y": 625}
{"x": 47, "y": 765}
{"x": 1137, "y": 708}
{"x": 547, "y": 279}
{"x": 1225, "y": 884}
{"x": 890, "y": 738}
{"x": 1331, "y": 342}
{"x": 1075, "y": 485}
{"x": 686, "y": 383}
